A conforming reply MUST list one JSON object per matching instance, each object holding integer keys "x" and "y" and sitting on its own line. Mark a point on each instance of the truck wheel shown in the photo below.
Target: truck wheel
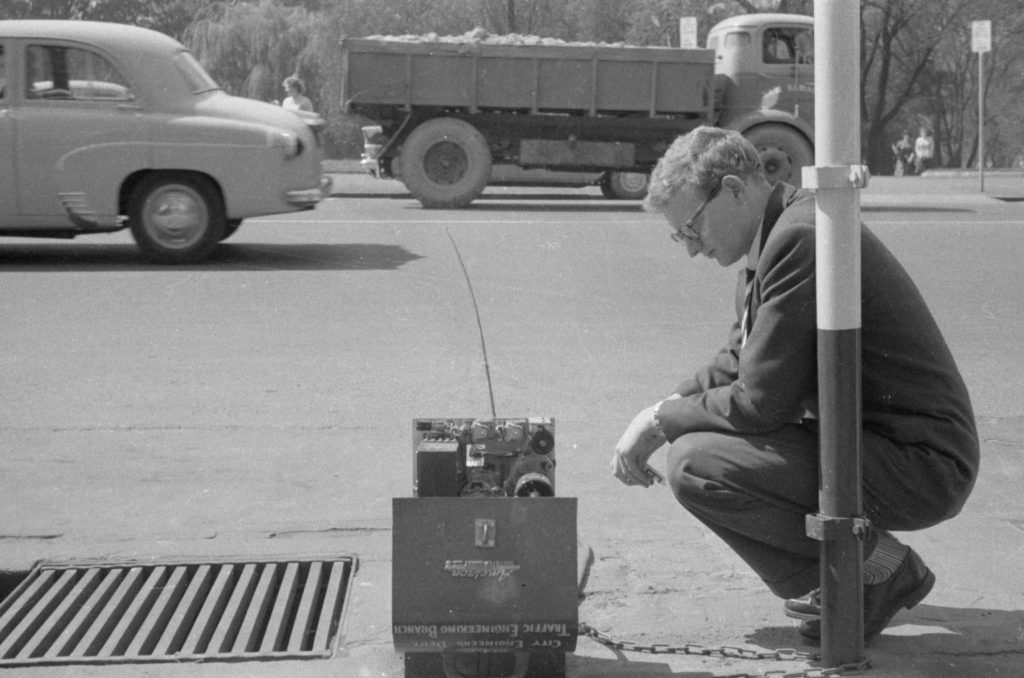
{"x": 176, "y": 218}
{"x": 624, "y": 185}
{"x": 445, "y": 163}
{"x": 784, "y": 152}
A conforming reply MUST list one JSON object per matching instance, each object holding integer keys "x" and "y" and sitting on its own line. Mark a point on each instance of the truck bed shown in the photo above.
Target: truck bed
{"x": 569, "y": 79}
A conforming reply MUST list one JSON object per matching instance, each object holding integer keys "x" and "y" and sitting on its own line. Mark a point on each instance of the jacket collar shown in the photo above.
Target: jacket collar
{"x": 778, "y": 200}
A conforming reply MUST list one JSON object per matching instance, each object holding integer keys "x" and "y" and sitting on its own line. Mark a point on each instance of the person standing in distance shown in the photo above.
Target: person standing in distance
{"x": 924, "y": 150}
{"x": 742, "y": 430}
{"x": 903, "y": 155}
{"x": 296, "y": 99}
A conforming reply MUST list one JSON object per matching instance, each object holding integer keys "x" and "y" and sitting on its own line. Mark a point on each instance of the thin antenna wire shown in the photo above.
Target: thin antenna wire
{"x": 479, "y": 324}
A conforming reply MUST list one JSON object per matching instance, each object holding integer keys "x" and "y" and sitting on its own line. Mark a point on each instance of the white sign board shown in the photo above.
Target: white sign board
{"x": 981, "y": 36}
{"x": 688, "y": 32}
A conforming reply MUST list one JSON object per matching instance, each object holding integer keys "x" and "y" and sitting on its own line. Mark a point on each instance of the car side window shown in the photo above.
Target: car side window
{"x": 70, "y": 74}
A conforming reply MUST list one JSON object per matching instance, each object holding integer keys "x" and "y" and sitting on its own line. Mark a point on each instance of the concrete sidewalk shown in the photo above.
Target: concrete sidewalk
{"x": 971, "y": 626}
{"x": 690, "y": 590}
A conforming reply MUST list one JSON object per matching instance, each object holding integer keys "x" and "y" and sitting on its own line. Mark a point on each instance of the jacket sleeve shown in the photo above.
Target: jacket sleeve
{"x": 721, "y": 371}
{"x": 776, "y": 369}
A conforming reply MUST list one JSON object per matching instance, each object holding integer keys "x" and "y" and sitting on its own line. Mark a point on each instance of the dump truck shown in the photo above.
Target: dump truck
{"x": 447, "y": 113}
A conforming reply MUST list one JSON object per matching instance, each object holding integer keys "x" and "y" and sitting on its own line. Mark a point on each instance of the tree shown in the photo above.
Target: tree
{"x": 898, "y": 76}
{"x": 957, "y": 87}
{"x": 915, "y": 62}
{"x": 250, "y": 49}
{"x": 167, "y": 16}
{"x": 1004, "y": 93}
{"x": 917, "y": 70}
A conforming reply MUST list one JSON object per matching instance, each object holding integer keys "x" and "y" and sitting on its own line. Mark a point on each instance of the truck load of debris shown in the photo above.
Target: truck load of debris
{"x": 483, "y": 36}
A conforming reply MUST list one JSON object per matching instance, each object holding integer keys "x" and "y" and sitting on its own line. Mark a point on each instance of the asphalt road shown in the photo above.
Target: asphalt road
{"x": 263, "y": 399}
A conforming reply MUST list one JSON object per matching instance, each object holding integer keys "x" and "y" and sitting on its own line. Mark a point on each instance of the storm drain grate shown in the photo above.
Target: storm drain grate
{"x": 127, "y": 613}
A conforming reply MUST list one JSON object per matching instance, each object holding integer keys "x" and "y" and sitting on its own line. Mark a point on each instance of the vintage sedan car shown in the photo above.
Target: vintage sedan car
{"x": 105, "y": 126}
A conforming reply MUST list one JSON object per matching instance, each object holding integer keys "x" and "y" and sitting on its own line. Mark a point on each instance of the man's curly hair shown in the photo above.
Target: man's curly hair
{"x": 701, "y": 158}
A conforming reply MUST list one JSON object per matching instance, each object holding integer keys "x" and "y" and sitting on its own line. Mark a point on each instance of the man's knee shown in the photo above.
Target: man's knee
{"x": 726, "y": 472}
{"x": 694, "y": 470}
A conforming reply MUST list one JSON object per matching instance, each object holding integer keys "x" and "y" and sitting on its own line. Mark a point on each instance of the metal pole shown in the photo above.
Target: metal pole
{"x": 837, "y": 178}
{"x": 981, "y": 122}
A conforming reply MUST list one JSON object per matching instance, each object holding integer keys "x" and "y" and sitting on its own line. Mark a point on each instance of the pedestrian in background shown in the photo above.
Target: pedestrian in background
{"x": 743, "y": 430}
{"x": 924, "y": 150}
{"x": 903, "y": 152}
{"x": 296, "y": 99}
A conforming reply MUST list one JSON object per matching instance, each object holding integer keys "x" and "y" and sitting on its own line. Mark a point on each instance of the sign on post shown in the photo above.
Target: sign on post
{"x": 981, "y": 36}
{"x": 981, "y": 42}
{"x": 688, "y": 32}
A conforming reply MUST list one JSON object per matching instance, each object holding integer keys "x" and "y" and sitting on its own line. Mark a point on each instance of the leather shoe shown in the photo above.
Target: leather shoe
{"x": 808, "y": 607}
{"x": 907, "y": 587}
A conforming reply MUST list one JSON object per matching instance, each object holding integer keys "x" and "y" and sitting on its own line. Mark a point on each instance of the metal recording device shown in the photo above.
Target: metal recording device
{"x": 484, "y": 560}
{"x": 484, "y": 457}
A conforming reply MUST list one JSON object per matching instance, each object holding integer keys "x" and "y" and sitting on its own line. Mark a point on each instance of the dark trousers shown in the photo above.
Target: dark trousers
{"x": 754, "y": 491}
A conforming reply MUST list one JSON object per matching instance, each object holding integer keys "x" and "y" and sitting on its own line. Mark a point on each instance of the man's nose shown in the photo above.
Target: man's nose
{"x": 693, "y": 247}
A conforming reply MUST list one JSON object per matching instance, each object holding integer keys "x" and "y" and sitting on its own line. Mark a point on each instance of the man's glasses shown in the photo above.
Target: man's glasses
{"x": 687, "y": 231}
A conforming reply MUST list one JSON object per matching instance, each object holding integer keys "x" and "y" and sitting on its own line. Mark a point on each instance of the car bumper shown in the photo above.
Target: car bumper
{"x": 308, "y": 197}
{"x": 371, "y": 165}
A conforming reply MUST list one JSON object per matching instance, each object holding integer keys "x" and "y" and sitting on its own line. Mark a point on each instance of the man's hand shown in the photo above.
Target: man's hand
{"x": 640, "y": 440}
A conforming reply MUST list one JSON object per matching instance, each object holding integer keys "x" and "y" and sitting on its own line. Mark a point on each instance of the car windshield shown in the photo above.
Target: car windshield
{"x": 197, "y": 79}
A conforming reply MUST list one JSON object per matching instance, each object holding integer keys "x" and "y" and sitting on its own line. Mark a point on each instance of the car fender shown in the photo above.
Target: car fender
{"x": 244, "y": 172}
{"x": 200, "y": 129}
{"x": 89, "y": 180}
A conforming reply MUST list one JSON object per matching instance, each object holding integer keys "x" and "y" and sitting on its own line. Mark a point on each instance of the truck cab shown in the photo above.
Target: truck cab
{"x": 764, "y": 85}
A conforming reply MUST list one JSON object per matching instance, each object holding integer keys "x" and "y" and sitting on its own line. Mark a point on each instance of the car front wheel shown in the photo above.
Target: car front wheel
{"x": 176, "y": 218}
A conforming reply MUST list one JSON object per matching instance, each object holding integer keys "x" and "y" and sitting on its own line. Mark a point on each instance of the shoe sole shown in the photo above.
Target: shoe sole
{"x": 804, "y": 616}
{"x": 907, "y": 602}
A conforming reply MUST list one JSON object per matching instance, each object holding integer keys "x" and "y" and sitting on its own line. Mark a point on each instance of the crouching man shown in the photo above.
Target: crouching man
{"x": 744, "y": 455}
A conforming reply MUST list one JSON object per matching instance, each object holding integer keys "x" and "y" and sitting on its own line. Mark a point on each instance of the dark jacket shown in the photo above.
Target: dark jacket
{"x": 912, "y": 392}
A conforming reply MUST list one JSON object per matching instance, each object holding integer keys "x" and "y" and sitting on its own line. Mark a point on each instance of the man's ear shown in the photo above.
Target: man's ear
{"x": 733, "y": 184}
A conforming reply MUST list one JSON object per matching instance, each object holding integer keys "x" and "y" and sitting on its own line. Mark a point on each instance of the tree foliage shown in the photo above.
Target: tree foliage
{"x": 167, "y": 16}
{"x": 916, "y": 64}
{"x": 917, "y": 70}
{"x": 251, "y": 48}
{"x": 955, "y": 89}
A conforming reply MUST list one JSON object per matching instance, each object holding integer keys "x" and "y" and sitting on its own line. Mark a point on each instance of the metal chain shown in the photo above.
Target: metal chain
{"x": 731, "y": 652}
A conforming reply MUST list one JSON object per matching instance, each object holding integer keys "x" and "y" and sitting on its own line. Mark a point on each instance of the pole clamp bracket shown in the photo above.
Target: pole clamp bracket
{"x": 829, "y": 528}
{"x": 836, "y": 176}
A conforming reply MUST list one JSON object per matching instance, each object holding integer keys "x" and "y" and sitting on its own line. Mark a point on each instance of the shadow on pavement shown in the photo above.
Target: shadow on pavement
{"x": 624, "y": 668}
{"x": 489, "y": 195}
{"x": 400, "y": 195}
{"x": 581, "y": 195}
{"x": 778, "y": 637}
{"x": 929, "y": 631}
{"x": 607, "y": 207}
{"x": 921, "y": 208}
{"x": 226, "y": 257}
{"x": 962, "y": 631}
{"x": 493, "y": 201}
